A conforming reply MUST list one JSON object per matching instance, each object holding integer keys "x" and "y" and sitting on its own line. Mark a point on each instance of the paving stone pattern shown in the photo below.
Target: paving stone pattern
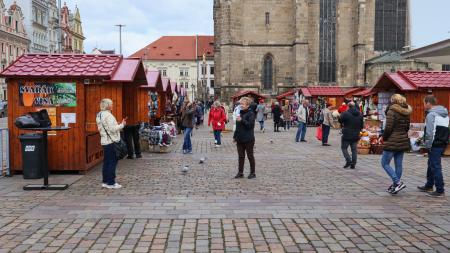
{"x": 301, "y": 201}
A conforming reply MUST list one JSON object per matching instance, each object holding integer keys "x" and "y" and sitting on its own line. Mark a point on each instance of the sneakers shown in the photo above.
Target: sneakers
{"x": 424, "y": 189}
{"x": 398, "y": 188}
{"x": 436, "y": 194}
{"x": 217, "y": 146}
{"x": 239, "y": 175}
{"x": 251, "y": 176}
{"x": 115, "y": 186}
{"x": 104, "y": 185}
{"x": 391, "y": 188}
{"x": 347, "y": 164}
{"x": 326, "y": 145}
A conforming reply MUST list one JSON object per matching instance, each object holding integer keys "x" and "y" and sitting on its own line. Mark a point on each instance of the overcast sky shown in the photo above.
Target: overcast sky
{"x": 147, "y": 20}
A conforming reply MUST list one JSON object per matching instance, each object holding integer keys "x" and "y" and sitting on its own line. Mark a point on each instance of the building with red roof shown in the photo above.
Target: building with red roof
{"x": 186, "y": 60}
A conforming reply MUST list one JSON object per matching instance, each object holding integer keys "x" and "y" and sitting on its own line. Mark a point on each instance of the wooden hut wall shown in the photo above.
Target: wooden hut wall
{"x": 66, "y": 150}
{"x": 142, "y": 104}
{"x": 415, "y": 99}
{"x": 130, "y": 103}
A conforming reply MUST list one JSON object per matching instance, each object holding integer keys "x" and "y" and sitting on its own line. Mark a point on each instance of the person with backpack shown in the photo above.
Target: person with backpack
{"x": 436, "y": 140}
{"x": 352, "y": 123}
{"x": 396, "y": 140}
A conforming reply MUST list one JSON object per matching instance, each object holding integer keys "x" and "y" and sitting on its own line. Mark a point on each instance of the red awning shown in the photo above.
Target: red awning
{"x": 287, "y": 94}
{"x": 305, "y": 92}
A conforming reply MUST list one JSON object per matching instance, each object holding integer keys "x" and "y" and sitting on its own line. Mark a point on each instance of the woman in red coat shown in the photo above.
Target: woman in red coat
{"x": 217, "y": 118}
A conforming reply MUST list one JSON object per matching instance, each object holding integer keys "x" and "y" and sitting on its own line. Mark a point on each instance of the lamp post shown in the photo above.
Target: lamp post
{"x": 120, "y": 36}
{"x": 204, "y": 80}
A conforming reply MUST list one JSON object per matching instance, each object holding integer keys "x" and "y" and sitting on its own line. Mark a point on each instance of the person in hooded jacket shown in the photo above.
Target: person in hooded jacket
{"x": 352, "y": 123}
{"x": 396, "y": 140}
{"x": 436, "y": 140}
{"x": 276, "y": 111}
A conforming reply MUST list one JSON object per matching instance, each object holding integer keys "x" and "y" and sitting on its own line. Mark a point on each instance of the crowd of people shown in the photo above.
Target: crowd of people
{"x": 351, "y": 121}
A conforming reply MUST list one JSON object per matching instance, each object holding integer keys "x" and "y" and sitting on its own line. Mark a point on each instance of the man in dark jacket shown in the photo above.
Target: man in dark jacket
{"x": 244, "y": 137}
{"x": 352, "y": 123}
{"x": 436, "y": 140}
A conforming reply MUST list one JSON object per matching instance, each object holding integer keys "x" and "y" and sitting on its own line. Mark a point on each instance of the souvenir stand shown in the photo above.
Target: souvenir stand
{"x": 248, "y": 93}
{"x": 414, "y": 85}
{"x": 70, "y": 87}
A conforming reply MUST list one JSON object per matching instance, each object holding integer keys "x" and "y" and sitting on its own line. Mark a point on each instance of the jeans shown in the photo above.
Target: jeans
{"x": 261, "y": 124}
{"x": 353, "y": 146}
{"x": 301, "y": 132}
{"x": 386, "y": 158}
{"x": 187, "y": 144}
{"x": 109, "y": 164}
{"x": 434, "y": 171}
{"x": 217, "y": 136}
{"x": 243, "y": 148}
{"x": 325, "y": 133}
{"x": 287, "y": 125}
{"x": 131, "y": 136}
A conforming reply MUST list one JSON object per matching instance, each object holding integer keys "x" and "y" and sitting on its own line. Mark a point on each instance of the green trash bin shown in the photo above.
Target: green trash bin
{"x": 32, "y": 152}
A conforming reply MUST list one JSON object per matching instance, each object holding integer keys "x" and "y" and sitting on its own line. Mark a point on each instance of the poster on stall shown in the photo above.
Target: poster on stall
{"x": 48, "y": 94}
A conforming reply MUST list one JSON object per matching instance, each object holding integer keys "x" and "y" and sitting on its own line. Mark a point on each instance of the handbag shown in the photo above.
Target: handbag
{"x": 120, "y": 148}
{"x": 42, "y": 118}
{"x": 26, "y": 121}
{"x": 319, "y": 133}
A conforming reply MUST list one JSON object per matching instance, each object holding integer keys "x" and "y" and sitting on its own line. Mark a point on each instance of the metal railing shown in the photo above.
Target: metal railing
{"x": 4, "y": 153}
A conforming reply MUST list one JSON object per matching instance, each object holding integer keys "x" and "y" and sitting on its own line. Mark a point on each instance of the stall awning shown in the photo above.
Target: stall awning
{"x": 353, "y": 91}
{"x": 305, "y": 92}
{"x": 153, "y": 80}
{"x": 437, "y": 53}
{"x": 365, "y": 93}
{"x": 174, "y": 87}
{"x": 126, "y": 71}
{"x": 317, "y": 91}
{"x": 414, "y": 80}
{"x": 68, "y": 65}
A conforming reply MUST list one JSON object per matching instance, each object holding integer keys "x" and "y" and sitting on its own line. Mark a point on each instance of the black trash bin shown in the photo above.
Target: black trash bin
{"x": 32, "y": 155}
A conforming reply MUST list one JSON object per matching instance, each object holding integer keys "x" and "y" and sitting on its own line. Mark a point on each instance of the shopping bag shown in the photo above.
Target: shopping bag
{"x": 319, "y": 133}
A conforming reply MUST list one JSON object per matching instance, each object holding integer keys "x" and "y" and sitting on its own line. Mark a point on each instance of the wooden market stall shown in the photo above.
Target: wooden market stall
{"x": 290, "y": 95}
{"x": 71, "y": 87}
{"x": 414, "y": 85}
{"x": 331, "y": 94}
{"x": 152, "y": 89}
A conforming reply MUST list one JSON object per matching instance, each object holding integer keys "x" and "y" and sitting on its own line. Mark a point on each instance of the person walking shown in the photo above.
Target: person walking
{"x": 287, "y": 115}
{"x": 352, "y": 123}
{"x": 260, "y": 111}
{"x": 109, "y": 133}
{"x": 217, "y": 118}
{"x": 302, "y": 117}
{"x": 436, "y": 140}
{"x": 327, "y": 123}
{"x": 276, "y": 111}
{"x": 244, "y": 137}
{"x": 187, "y": 119}
{"x": 396, "y": 140}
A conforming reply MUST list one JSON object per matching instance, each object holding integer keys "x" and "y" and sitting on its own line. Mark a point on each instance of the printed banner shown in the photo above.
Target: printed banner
{"x": 40, "y": 94}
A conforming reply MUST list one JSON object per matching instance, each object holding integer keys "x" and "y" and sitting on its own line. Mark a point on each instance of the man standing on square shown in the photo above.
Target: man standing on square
{"x": 302, "y": 115}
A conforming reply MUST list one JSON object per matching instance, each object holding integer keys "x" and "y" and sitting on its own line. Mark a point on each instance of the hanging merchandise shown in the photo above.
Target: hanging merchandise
{"x": 153, "y": 104}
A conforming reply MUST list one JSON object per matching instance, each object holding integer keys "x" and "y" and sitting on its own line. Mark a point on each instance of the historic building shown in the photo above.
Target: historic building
{"x": 13, "y": 39}
{"x": 36, "y": 15}
{"x": 53, "y": 26}
{"x": 180, "y": 58}
{"x": 271, "y": 46}
{"x": 72, "y": 32}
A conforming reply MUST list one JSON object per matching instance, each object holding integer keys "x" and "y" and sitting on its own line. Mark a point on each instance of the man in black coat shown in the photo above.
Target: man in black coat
{"x": 352, "y": 123}
{"x": 244, "y": 136}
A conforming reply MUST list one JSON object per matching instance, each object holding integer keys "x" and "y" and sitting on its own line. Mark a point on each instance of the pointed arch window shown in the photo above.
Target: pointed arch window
{"x": 268, "y": 72}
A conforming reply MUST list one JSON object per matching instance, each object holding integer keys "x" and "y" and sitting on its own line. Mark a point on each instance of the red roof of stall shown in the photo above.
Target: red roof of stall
{"x": 174, "y": 86}
{"x": 286, "y": 94}
{"x": 166, "y": 83}
{"x": 69, "y": 65}
{"x": 414, "y": 80}
{"x": 305, "y": 92}
{"x": 247, "y": 92}
{"x": 352, "y": 91}
{"x": 153, "y": 79}
{"x": 126, "y": 70}
{"x": 364, "y": 93}
{"x": 326, "y": 91}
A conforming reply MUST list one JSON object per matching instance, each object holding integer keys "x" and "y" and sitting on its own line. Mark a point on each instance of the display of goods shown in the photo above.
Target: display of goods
{"x": 376, "y": 149}
{"x": 363, "y": 144}
{"x": 364, "y": 133}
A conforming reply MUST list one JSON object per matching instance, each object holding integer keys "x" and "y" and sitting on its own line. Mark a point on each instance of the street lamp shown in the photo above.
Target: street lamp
{"x": 120, "y": 36}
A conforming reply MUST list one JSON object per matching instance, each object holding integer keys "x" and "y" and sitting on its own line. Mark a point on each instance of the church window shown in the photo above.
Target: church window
{"x": 327, "y": 54}
{"x": 268, "y": 72}
{"x": 390, "y": 25}
{"x": 267, "y": 18}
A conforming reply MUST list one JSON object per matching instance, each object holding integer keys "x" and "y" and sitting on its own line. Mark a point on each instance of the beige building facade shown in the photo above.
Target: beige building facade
{"x": 272, "y": 46}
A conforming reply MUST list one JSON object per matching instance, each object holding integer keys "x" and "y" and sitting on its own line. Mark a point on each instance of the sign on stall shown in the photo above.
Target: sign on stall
{"x": 48, "y": 94}
{"x": 68, "y": 118}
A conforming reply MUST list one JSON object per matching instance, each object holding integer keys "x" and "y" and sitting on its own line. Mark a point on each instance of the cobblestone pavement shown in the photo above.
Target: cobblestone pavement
{"x": 301, "y": 201}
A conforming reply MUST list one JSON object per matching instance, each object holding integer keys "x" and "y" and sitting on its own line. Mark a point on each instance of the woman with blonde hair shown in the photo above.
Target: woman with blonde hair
{"x": 109, "y": 134}
{"x": 396, "y": 140}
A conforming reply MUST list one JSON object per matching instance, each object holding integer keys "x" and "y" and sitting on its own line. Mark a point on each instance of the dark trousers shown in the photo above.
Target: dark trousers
{"x": 131, "y": 136}
{"x": 243, "y": 148}
{"x": 217, "y": 136}
{"x": 325, "y": 133}
{"x": 287, "y": 125}
{"x": 353, "y": 146}
{"x": 109, "y": 164}
{"x": 276, "y": 125}
{"x": 434, "y": 171}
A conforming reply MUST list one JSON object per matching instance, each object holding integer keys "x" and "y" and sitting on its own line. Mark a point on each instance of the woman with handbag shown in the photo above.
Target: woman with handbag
{"x": 110, "y": 137}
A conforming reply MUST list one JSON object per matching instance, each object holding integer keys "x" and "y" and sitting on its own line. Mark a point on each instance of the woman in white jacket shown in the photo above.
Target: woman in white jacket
{"x": 109, "y": 133}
